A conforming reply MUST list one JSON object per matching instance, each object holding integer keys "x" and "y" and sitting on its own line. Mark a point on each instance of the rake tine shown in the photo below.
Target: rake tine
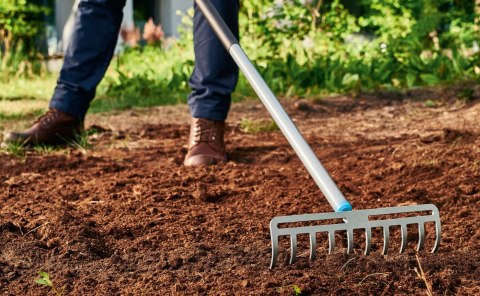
{"x": 274, "y": 251}
{"x": 421, "y": 236}
{"x": 437, "y": 237}
{"x": 313, "y": 246}
{"x": 386, "y": 239}
{"x": 404, "y": 238}
{"x": 349, "y": 241}
{"x": 293, "y": 248}
{"x": 331, "y": 241}
{"x": 368, "y": 240}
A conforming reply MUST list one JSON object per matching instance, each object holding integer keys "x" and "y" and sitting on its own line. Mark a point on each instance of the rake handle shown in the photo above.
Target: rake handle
{"x": 318, "y": 172}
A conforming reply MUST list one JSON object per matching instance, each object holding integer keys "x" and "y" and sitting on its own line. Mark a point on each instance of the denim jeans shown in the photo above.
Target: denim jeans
{"x": 92, "y": 45}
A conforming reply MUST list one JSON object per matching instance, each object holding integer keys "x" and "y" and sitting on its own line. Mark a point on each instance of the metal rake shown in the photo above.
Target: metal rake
{"x": 343, "y": 210}
{"x": 354, "y": 220}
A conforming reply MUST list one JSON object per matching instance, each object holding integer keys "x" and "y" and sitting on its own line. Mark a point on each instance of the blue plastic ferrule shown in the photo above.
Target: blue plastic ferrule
{"x": 344, "y": 207}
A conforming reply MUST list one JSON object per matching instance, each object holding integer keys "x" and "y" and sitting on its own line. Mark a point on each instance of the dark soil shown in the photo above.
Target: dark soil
{"x": 126, "y": 218}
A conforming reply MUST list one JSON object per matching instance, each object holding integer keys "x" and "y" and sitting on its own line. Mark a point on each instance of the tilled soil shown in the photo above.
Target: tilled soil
{"x": 125, "y": 217}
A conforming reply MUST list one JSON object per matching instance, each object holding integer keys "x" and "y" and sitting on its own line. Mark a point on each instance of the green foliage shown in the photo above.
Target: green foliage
{"x": 400, "y": 46}
{"x": 21, "y": 22}
{"x": 15, "y": 149}
{"x": 150, "y": 75}
{"x": 44, "y": 149}
{"x": 21, "y": 115}
{"x": 20, "y": 19}
{"x": 430, "y": 104}
{"x": 44, "y": 280}
{"x": 467, "y": 95}
{"x": 297, "y": 291}
{"x": 311, "y": 47}
{"x": 80, "y": 143}
{"x": 250, "y": 126}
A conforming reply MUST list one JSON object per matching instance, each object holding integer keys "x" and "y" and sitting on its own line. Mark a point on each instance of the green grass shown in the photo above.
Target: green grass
{"x": 22, "y": 114}
{"x": 15, "y": 149}
{"x": 19, "y": 150}
{"x": 40, "y": 88}
{"x": 145, "y": 77}
{"x": 44, "y": 149}
{"x": 18, "y": 120}
{"x": 80, "y": 143}
{"x": 105, "y": 104}
{"x": 251, "y": 126}
{"x": 23, "y": 100}
{"x": 430, "y": 104}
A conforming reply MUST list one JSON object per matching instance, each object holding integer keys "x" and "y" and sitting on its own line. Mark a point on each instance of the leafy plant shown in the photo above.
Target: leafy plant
{"x": 296, "y": 290}
{"x": 21, "y": 22}
{"x": 305, "y": 48}
{"x": 44, "y": 280}
{"x": 150, "y": 75}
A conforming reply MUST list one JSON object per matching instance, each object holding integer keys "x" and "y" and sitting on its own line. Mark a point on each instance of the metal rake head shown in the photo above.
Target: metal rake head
{"x": 360, "y": 219}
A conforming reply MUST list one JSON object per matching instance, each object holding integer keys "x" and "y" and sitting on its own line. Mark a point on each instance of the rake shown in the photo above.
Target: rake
{"x": 383, "y": 218}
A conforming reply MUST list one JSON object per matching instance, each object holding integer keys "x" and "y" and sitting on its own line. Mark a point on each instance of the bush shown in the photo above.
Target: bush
{"x": 20, "y": 24}
{"x": 146, "y": 76}
{"x": 309, "y": 47}
{"x": 322, "y": 46}
{"x": 153, "y": 74}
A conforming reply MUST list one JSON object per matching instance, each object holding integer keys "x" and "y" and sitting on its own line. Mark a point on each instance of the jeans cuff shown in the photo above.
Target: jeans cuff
{"x": 72, "y": 104}
{"x": 217, "y": 114}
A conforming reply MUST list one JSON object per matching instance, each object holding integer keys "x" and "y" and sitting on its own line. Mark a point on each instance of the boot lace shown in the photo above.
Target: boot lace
{"x": 205, "y": 131}
{"x": 47, "y": 118}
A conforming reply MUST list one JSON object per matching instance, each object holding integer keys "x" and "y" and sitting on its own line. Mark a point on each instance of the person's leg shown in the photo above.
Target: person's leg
{"x": 212, "y": 82}
{"x": 91, "y": 48}
{"x": 215, "y": 74}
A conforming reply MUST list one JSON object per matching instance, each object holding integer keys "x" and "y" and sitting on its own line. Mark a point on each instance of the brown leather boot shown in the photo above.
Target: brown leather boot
{"x": 52, "y": 128}
{"x": 206, "y": 145}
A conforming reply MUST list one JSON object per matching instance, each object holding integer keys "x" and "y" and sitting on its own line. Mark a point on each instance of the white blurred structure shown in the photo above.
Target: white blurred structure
{"x": 168, "y": 16}
{"x": 164, "y": 12}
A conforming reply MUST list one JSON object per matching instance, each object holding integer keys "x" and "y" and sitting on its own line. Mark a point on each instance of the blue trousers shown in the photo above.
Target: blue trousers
{"x": 93, "y": 43}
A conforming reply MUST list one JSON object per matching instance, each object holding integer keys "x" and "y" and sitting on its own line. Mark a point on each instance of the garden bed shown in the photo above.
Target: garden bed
{"x": 125, "y": 217}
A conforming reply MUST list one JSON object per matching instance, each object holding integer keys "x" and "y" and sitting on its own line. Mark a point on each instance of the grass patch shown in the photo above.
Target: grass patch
{"x": 21, "y": 115}
{"x": 431, "y": 104}
{"x": 141, "y": 99}
{"x": 80, "y": 143}
{"x": 15, "y": 149}
{"x": 39, "y": 88}
{"x": 18, "y": 120}
{"x": 250, "y": 126}
{"x": 44, "y": 149}
{"x": 145, "y": 77}
{"x": 24, "y": 99}
{"x": 19, "y": 149}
